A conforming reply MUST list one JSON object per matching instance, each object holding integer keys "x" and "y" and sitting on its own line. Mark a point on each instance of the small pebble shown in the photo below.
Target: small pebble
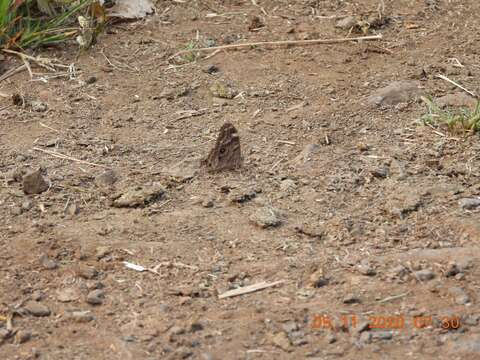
{"x": 424, "y": 275}
{"x": 459, "y": 295}
{"x": 469, "y": 204}
{"x": 266, "y": 217}
{"x": 27, "y": 204}
{"x": 48, "y": 263}
{"x": 365, "y": 338}
{"x": 366, "y": 268}
{"x": 382, "y": 335}
{"x": 37, "y": 309}
{"x": 86, "y": 272}
{"x": 34, "y": 183}
{"x": 211, "y": 69}
{"x": 16, "y": 210}
{"x": 4, "y": 334}
{"x": 351, "y": 299}
{"x": 22, "y": 336}
{"x": 452, "y": 269}
{"x": 91, "y": 80}
{"x": 82, "y": 316}
{"x": 96, "y": 297}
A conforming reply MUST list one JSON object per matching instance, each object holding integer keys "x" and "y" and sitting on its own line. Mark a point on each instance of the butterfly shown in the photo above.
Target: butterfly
{"x": 226, "y": 155}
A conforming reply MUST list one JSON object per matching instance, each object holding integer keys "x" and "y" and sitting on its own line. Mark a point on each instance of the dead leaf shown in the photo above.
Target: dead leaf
{"x": 131, "y": 9}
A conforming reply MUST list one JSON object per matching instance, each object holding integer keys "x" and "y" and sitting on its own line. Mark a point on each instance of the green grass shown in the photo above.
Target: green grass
{"x": 463, "y": 120}
{"x": 191, "y": 56}
{"x": 30, "y": 24}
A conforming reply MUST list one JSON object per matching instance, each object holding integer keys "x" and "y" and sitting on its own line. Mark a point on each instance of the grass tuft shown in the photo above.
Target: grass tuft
{"x": 32, "y": 23}
{"x": 463, "y": 120}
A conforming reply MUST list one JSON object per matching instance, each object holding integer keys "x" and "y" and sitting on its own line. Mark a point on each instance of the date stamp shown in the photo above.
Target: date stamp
{"x": 387, "y": 322}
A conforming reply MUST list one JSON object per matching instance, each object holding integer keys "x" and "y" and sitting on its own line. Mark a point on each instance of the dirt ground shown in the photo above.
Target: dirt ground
{"x": 370, "y": 233}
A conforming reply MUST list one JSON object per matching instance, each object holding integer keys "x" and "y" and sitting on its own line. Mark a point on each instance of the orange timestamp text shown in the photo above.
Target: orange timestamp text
{"x": 389, "y": 322}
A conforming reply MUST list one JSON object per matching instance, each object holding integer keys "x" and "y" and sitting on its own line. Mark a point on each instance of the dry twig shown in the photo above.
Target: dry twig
{"x": 279, "y": 43}
{"x": 248, "y": 289}
{"x": 66, "y": 157}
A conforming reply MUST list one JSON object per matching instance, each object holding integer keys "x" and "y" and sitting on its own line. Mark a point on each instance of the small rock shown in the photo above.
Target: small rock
{"x": 207, "y": 356}
{"x": 4, "y": 334}
{"x": 27, "y": 204}
{"x": 37, "y": 309}
{"x": 424, "y": 275}
{"x": 362, "y": 147}
{"x": 93, "y": 285}
{"x": 91, "y": 80}
{"x": 470, "y": 346}
{"x": 138, "y": 197}
{"x": 266, "y": 217}
{"x": 460, "y": 276}
{"x": 96, "y": 297}
{"x": 16, "y": 210}
{"x": 317, "y": 279}
{"x": 38, "y": 295}
{"x": 331, "y": 338}
{"x": 67, "y": 294}
{"x": 223, "y": 91}
{"x": 176, "y": 330}
{"x": 282, "y": 341}
{"x": 288, "y": 185}
{"x": 129, "y": 338}
{"x": 457, "y": 100}
{"x": 366, "y": 268}
{"x": 351, "y": 299}
{"x": 183, "y": 170}
{"x": 34, "y": 183}
{"x": 102, "y": 251}
{"x": 211, "y": 69}
{"x": 86, "y": 272}
{"x": 399, "y": 271}
{"x": 395, "y": 93}
{"x": 82, "y": 316}
{"x": 255, "y": 23}
{"x": 72, "y": 209}
{"x": 298, "y": 338}
{"x": 380, "y": 173}
{"x": 452, "y": 269}
{"x": 22, "y": 336}
{"x": 382, "y": 335}
{"x": 16, "y": 175}
{"x": 471, "y": 320}
{"x": 363, "y": 326}
{"x": 48, "y": 263}
{"x": 346, "y": 23}
{"x": 106, "y": 179}
{"x": 365, "y": 337}
{"x": 164, "y": 308}
{"x": 307, "y": 153}
{"x": 310, "y": 229}
{"x": 460, "y": 296}
{"x": 402, "y": 203}
{"x": 242, "y": 196}
{"x": 196, "y": 326}
{"x": 181, "y": 353}
{"x": 208, "y": 203}
{"x": 38, "y": 106}
{"x": 290, "y": 327}
{"x": 469, "y": 204}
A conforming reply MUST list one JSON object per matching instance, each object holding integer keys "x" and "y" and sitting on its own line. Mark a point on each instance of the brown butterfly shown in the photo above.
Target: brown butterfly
{"x": 226, "y": 155}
